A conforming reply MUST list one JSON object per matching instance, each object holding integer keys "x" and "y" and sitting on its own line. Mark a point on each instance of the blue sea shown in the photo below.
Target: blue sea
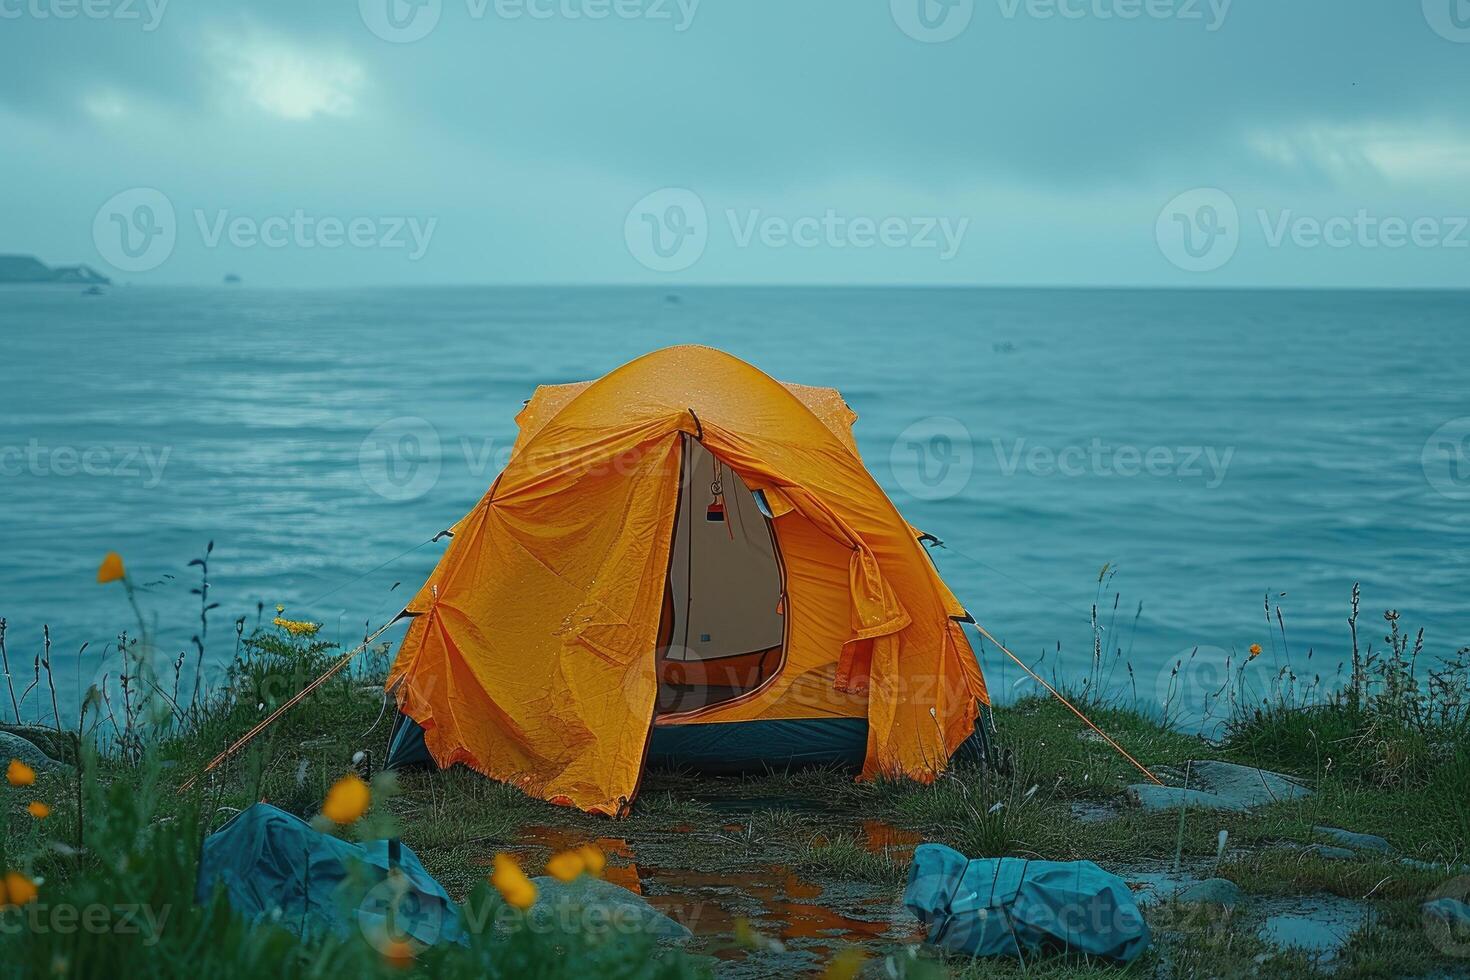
{"x": 1210, "y": 449}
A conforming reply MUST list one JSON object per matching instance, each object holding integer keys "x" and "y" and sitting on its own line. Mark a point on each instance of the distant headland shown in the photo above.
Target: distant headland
{"x": 29, "y": 269}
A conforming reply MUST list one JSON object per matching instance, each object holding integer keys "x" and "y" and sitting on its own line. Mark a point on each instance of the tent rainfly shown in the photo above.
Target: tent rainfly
{"x": 684, "y": 561}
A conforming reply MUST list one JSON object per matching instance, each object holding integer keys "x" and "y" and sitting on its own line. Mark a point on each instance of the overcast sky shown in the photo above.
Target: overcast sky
{"x": 1008, "y": 142}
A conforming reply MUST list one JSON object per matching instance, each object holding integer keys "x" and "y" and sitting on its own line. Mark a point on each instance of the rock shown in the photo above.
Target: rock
{"x": 60, "y": 746}
{"x": 1358, "y": 842}
{"x": 1220, "y": 786}
{"x": 604, "y": 906}
{"x": 1086, "y": 811}
{"x": 15, "y": 747}
{"x": 1331, "y": 853}
{"x": 1245, "y": 784}
{"x": 1448, "y": 911}
{"x": 1213, "y": 891}
{"x": 1434, "y": 867}
{"x": 1156, "y": 798}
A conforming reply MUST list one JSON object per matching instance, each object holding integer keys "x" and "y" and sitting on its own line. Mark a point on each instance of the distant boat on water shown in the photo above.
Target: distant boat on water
{"x": 232, "y": 280}
{"x": 92, "y": 291}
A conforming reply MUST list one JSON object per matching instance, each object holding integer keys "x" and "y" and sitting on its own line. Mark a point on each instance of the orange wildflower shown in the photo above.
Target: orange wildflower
{"x": 347, "y": 800}
{"x": 512, "y": 883}
{"x": 593, "y": 858}
{"x": 20, "y": 774}
{"x": 566, "y": 866}
{"x": 111, "y": 568}
{"x": 398, "y": 954}
{"x": 17, "y": 890}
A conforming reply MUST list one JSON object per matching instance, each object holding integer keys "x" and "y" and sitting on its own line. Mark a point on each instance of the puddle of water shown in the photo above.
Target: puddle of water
{"x": 1320, "y": 926}
{"x": 880, "y": 837}
{"x": 772, "y": 900}
{"x": 776, "y": 903}
{"x": 1150, "y": 887}
{"x": 555, "y": 839}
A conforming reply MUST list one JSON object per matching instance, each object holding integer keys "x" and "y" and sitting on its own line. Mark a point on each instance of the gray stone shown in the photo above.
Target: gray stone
{"x": 61, "y": 746}
{"x": 1449, "y": 911}
{"x": 1244, "y": 784}
{"x": 1220, "y": 786}
{"x": 15, "y": 747}
{"x": 622, "y": 911}
{"x": 1358, "y": 842}
{"x": 1331, "y": 853}
{"x": 1155, "y": 798}
{"x": 1435, "y": 867}
{"x": 1213, "y": 891}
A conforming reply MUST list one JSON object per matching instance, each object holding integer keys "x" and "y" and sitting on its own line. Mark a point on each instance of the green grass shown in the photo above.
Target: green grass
{"x": 1378, "y": 763}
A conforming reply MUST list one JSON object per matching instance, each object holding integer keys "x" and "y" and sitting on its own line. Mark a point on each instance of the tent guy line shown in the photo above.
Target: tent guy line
{"x": 300, "y": 696}
{"x": 1073, "y": 708}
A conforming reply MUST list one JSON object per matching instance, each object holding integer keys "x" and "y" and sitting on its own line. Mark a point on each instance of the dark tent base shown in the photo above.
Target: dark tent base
{"x": 731, "y": 748}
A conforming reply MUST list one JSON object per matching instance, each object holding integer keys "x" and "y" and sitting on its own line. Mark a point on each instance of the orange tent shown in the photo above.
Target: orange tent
{"x": 685, "y": 545}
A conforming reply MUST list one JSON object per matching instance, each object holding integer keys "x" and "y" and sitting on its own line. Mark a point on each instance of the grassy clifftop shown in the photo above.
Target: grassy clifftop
{"x": 785, "y": 873}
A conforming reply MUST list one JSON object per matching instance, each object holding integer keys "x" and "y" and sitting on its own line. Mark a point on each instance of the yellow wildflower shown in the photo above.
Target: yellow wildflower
{"x": 111, "y": 568}
{"x": 846, "y": 965}
{"x": 297, "y": 627}
{"x": 347, "y": 800}
{"x": 593, "y": 858}
{"x": 39, "y": 810}
{"x": 745, "y": 935}
{"x": 18, "y": 889}
{"x": 1255, "y": 650}
{"x": 20, "y": 774}
{"x": 566, "y": 866}
{"x": 512, "y": 883}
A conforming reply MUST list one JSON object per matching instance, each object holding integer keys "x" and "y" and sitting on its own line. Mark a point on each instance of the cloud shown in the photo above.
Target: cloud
{"x": 106, "y": 104}
{"x": 285, "y": 79}
{"x": 1399, "y": 153}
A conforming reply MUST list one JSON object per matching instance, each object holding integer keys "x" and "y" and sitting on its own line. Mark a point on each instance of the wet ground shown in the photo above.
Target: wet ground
{"x": 735, "y": 884}
{"x": 737, "y": 865}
